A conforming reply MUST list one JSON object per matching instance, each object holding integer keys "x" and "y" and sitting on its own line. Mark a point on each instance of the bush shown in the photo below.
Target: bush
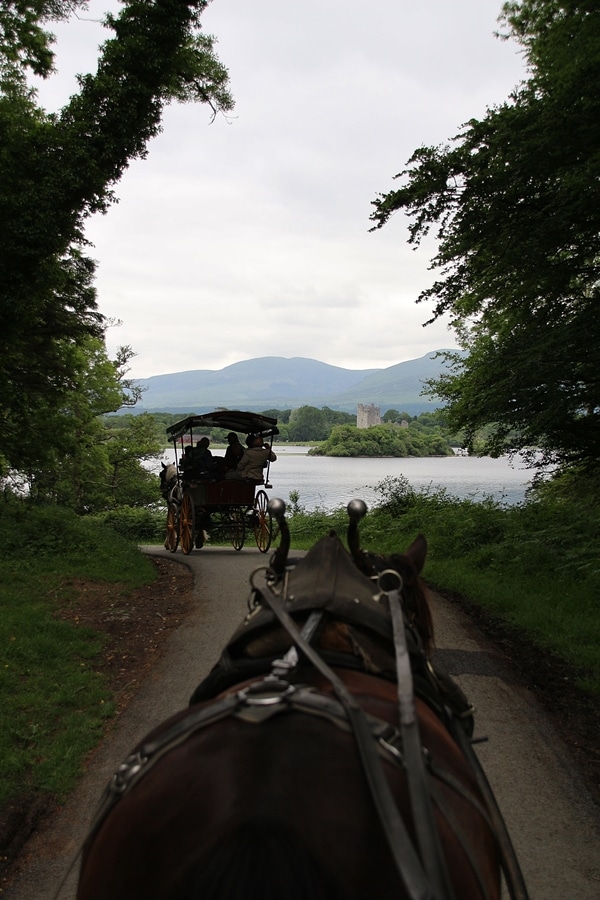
{"x": 140, "y": 525}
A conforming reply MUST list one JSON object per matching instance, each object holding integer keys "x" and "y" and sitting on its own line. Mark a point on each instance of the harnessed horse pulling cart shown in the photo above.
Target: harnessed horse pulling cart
{"x": 203, "y": 500}
{"x": 323, "y": 758}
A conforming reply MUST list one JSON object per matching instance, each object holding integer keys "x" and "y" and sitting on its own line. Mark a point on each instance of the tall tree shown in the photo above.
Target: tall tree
{"x": 515, "y": 203}
{"x": 58, "y": 169}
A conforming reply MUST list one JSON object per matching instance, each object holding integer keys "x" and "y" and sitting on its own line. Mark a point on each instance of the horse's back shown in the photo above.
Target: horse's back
{"x": 187, "y": 827}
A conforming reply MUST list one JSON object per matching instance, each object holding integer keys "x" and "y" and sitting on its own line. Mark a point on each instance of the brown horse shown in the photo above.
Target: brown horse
{"x": 293, "y": 775}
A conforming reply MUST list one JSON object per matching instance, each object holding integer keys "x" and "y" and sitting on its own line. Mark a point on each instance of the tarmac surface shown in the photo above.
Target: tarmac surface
{"x": 553, "y": 823}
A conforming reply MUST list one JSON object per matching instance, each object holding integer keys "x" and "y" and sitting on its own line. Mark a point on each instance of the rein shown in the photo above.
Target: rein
{"x": 407, "y": 862}
{"x": 427, "y": 834}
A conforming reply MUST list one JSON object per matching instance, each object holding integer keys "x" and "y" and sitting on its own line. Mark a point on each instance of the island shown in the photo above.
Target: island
{"x": 398, "y": 440}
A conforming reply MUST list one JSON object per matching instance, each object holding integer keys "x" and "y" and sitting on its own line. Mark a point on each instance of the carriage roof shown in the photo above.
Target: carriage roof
{"x": 232, "y": 419}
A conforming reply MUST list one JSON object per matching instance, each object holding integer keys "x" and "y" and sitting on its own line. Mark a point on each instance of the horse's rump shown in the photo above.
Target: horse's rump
{"x": 322, "y": 757}
{"x": 288, "y": 781}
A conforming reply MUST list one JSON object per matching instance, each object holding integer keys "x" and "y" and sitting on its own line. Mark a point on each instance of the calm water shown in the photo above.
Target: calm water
{"x": 329, "y": 482}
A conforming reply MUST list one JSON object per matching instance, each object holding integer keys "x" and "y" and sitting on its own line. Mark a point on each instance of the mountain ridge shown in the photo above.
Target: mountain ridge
{"x": 275, "y": 382}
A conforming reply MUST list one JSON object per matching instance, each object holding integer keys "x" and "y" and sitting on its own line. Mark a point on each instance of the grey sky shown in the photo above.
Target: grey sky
{"x": 249, "y": 236}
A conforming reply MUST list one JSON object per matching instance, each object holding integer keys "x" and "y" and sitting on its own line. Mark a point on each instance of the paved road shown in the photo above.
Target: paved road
{"x": 553, "y": 823}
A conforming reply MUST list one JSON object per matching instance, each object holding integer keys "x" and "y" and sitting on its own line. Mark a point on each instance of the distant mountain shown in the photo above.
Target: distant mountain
{"x": 273, "y": 382}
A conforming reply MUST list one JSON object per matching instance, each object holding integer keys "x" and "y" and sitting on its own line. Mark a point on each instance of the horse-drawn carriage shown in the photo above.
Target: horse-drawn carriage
{"x": 202, "y": 501}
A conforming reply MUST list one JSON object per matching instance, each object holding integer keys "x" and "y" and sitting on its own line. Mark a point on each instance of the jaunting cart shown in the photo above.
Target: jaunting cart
{"x": 203, "y": 504}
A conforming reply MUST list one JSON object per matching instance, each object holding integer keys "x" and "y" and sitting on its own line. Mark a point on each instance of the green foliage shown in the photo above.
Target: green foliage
{"x": 54, "y": 704}
{"x": 58, "y": 169}
{"x": 62, "y": 542}
{"x": 145, "y": 526}
{"x": 515, "y": 203}
{"x": 307, "y": 423}
{"x": 80, "y": 460}
{"x": 282, "y": 415}
{"x": 384, "y": 440}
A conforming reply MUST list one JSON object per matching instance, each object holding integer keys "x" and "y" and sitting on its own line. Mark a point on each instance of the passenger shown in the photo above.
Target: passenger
{"x": 234, "y": 451}
{"x": 203, "y": 458}
{"x": 187, "y": 460}
{"x": 254, "y": 460}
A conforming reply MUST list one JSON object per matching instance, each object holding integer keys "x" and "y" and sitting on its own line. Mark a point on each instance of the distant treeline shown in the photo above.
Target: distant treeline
{"x": 400, "y": 434}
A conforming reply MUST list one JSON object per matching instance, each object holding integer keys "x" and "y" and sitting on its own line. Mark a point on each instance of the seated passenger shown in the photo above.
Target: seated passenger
{"x": 187, "y": 460}
{"x": 203, "y": 458}
{"x": 234, "y": 451}
{"x": 254, "y": 460}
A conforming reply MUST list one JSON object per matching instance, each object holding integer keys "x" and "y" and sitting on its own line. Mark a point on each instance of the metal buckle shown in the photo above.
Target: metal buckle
{"x": 268, "y": 692}
{"x": 126, "y": 772}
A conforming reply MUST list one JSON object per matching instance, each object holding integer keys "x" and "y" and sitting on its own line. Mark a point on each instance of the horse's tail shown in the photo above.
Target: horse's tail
{"x": 261, "y": 861}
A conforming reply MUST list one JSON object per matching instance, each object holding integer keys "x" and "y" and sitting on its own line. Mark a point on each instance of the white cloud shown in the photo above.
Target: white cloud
{"x": 249, "y": 237}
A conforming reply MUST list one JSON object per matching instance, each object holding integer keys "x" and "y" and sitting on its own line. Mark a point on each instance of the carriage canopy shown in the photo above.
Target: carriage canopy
{"x": 232, "y": 419}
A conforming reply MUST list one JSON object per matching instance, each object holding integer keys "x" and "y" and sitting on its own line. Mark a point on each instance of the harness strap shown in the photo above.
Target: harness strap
{"x": 510, "y": 864}
{"x": 139, "y": 763}
{"x": 407, "y": 862}
{"x": 418, "y": 787}
{"x": 444, "y": 807}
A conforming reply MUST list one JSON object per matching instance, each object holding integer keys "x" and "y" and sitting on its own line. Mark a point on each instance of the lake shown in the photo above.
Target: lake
{"x": 331, "y": 482}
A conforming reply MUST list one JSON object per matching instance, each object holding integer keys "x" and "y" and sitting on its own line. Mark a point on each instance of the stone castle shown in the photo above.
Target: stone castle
{"x": 367, "y": 415}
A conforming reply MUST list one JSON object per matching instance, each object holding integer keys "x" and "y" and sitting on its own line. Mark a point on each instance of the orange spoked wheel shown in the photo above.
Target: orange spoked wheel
{"x": 187, "y": 520}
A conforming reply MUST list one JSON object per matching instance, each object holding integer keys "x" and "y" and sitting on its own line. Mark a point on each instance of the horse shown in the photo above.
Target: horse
{"x": 322, "y": 757}
{"x": 168, "y": 478}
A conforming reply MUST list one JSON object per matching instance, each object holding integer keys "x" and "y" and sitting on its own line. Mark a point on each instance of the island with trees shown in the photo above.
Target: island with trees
{"x": 398, "y": 435}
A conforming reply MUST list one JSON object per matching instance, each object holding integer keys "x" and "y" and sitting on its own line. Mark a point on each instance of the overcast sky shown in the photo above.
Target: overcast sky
{"x": 250, "y": 236}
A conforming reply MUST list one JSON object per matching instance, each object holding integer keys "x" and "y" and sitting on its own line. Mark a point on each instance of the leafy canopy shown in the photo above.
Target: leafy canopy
{"x": 514, "y": 201}
{"x": 58, "y": 169}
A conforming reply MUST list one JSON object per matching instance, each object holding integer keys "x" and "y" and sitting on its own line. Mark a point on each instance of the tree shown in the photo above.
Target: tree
{"x": 307, "y": 423}
{"x": 515, "y": 204}
{"x": 58, "y": 169}
{"x": 130, "y": 483}
{"x": 72, "y": 456}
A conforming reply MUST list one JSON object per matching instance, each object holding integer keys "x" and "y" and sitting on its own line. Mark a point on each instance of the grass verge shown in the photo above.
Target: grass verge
{"x": 54, "y": 704}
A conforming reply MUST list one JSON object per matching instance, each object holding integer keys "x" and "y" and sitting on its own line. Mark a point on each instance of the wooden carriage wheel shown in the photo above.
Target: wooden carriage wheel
{"x": 237, "y": 527}
{"x": 172, "y": 538}
{"x": 263, "y": 523}
{"x": 187, "y": 521}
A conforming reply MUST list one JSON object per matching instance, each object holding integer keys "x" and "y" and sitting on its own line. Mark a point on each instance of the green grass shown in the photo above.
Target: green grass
{"x": 54, "y": 704}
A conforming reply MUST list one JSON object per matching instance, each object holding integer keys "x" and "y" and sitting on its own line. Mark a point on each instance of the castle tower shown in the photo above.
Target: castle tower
{"x": 367, "y": 415}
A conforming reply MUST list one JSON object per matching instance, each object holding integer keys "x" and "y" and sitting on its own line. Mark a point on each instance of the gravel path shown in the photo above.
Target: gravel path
{"x": 553, "y": 823}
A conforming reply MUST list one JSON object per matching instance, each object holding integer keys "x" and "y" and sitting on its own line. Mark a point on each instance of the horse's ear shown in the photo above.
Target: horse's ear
{"x": 417, "y": 552}
{"x": 163, "y": 465}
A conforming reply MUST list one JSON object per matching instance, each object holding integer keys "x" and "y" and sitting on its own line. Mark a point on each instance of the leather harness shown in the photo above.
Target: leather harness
{"x": 326, "y": 583}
